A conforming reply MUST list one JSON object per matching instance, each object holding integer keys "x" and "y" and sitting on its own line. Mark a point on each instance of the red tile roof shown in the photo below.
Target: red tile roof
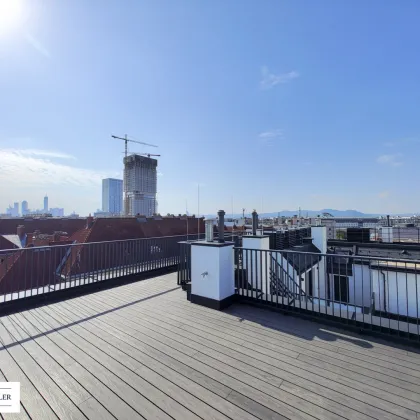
{"x": 111, "y": 229}
{"x": 32, "y": 265}
{"x": 45, "y": 225}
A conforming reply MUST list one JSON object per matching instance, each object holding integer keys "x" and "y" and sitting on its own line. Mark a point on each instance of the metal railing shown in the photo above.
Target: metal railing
{"x": 408, "y": 235}
{"x": 377, "y": 294}
{"x": 34, "y": 271}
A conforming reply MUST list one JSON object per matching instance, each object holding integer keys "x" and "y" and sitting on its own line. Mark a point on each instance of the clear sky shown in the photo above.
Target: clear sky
{"x": 267, "y": 104}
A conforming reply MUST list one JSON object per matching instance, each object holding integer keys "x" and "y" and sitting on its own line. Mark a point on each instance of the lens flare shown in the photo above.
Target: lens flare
{"x": 10, "y": 14}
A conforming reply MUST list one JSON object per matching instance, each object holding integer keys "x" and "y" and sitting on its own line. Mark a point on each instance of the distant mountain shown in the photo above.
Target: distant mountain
{"x": 314, "y": 213}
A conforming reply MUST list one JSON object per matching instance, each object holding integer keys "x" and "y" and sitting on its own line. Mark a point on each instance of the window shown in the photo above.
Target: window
{"x": 341, "y": 289}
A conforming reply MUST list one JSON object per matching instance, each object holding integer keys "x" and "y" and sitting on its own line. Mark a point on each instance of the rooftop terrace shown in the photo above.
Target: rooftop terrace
{"x": 141, "y": 350}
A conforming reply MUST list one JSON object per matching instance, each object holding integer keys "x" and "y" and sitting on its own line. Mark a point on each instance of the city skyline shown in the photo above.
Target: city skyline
{"x": 21, "y": 208}
{"x": 283, "y": 106}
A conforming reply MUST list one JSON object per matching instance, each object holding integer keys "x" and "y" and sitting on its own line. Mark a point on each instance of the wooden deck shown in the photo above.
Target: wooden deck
{"x": 143, "y": 351}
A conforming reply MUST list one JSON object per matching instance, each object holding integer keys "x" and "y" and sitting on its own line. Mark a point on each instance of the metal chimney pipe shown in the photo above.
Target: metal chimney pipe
{"x": 254, "y": 222}
{"x": 209, "y": 230}
{"x": 387, "y": 219}
{"x": 221, "y": 226}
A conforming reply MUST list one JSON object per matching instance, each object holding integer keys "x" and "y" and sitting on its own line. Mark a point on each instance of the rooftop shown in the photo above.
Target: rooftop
{"x": 141, "y": 350}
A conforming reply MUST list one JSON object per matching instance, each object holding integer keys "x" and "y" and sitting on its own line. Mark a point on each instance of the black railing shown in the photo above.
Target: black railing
{"x": 44, "y": 270}
{"x": 407, "y": 235}
{"x": 377, "y": 294}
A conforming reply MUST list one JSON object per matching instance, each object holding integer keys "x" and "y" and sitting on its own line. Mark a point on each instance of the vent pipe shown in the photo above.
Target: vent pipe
{"x": 221, "y": 226}
{"x": 254, "y": 222}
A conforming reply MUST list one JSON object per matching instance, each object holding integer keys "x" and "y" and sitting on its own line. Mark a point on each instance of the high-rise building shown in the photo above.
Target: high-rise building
{"x": 57, "y": 212}
{"x": 25, "y": 208}
{"x": 13, "y": 211}
{"x": 140, "y": 185}
{"x": 46, "y": 204}
{"x": 112, "y": 196}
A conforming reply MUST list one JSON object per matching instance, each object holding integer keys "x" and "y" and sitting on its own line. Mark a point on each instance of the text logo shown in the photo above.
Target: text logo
{"x": 9, "y": 397}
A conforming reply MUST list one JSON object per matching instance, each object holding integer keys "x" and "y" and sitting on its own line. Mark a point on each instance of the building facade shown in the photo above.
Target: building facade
{"x": 46, "y": 204}
{"x": 25, "y": 208}
{"x": 140, "y": 185}
{"x": 57, "y": 212}
{"x": 112, "y": 196}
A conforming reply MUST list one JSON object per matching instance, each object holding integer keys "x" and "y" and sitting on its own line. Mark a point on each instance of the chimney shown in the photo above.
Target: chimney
{"x": 20, "y": 231}
{"x": 221, "y": 227}
{"x": 319, "y": 237}
{"x": 89, "y": 221}
{"x": 254, "y": 222}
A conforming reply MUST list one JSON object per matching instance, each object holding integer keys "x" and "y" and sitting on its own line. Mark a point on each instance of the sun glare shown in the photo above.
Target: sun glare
{"x": 10, "y": 14}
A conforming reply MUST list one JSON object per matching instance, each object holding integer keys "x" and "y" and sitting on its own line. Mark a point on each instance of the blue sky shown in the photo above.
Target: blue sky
{"x": 267, "y": 104}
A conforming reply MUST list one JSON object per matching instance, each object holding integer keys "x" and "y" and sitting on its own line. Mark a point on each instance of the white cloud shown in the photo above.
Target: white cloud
{"x": 159, "y": 174}
{"x": 270, "y": 134}
{"x": 42, "y": 153}
{"x": 269, "y": 80}
{"x": 391, "y": 160}
{"x": 38, "y": 45}
{"x": 36, "y": 168}
{"x": 383, "y": 194}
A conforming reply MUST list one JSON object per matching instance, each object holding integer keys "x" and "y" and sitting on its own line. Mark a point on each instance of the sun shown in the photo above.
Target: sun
{"x": 10, "y": 14}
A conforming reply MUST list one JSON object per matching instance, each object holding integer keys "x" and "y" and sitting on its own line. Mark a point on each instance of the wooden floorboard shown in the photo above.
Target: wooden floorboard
{"x": 143, "y": 351}
{"x": 380, "y": 403}
{"x": 226, "y": 339}
{"x": 251, "y": 392}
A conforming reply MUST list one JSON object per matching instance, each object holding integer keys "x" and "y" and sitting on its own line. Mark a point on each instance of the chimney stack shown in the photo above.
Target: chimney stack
{"x": 20, "y": 231}
{"x": 254, "y": 222}
{"x": 221, "y": 226}
{"x": 89, "y": 221}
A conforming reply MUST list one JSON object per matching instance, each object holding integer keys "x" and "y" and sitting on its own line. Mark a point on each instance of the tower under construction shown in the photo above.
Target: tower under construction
{"x": 140, "y": 185}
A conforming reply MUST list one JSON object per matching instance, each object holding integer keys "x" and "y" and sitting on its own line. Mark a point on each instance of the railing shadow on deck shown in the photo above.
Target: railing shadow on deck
{"x": 310, "y": 329}
{"x": 301, "y": 328}
{"x": 89, "y": 318}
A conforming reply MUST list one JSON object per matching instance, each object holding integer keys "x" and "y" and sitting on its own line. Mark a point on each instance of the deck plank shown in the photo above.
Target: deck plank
{"x": 168, "y": 387}
{"x": 242, "y": 386}
{"x": 344, "y": 369}
{"x": 230, "y": 324}
{"x": 39, "y": 393}
{"x": 351, "y": 344}
{"x": 380, "y": 403}
{"x": 267, "y": 389}
{"x": 183, "y": 381}
{"x": 109, "y": 391}
{"x": 148, "y": 400}
{"x": 142, "y": 350}
{"x": 76, "y": 391}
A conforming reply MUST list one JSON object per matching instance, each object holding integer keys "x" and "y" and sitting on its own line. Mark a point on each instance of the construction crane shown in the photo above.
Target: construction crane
{"x": 126, "y": 140}
{"x": 147, "y": 154}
